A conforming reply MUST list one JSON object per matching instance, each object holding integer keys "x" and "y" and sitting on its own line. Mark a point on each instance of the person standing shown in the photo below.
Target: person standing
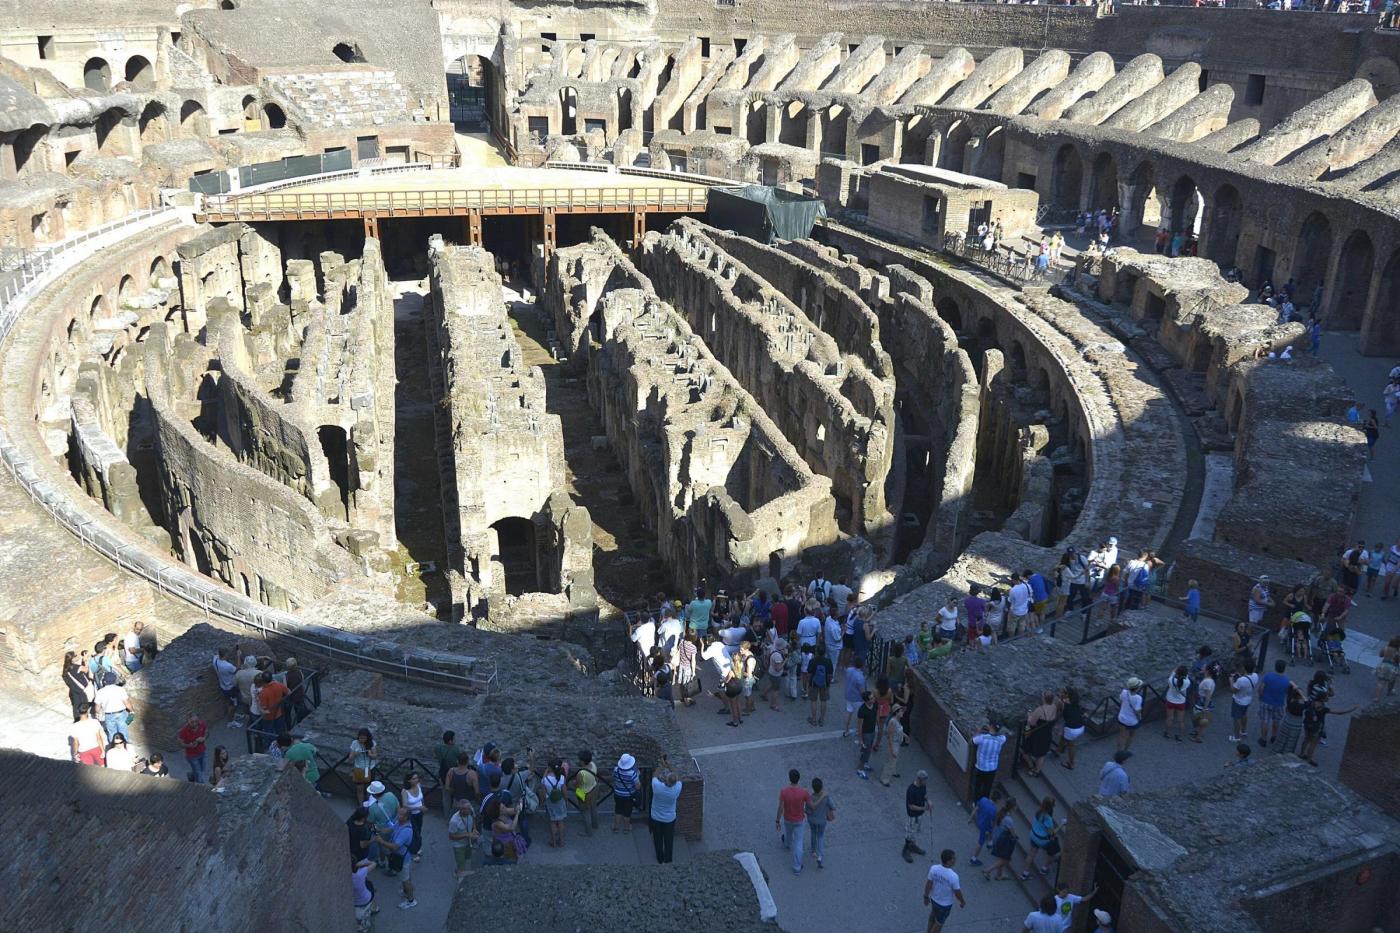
{"x": 1273, "y": 693}
{"x": 363, "y": 756}
{"x": 915, "y": 806}
{"x": 556, "y": 808}
{"x": 133, "y": 653}
{"x": 363, "y": 890}
{"x": 1205, "y": 701}
{"x": 462, "y": 834}
{"x": 940, "y": 890}
{"x": 854, "y": 690}
{"x": 227, "y": 676}
{"x": 1129, "y": 713}
{"x": 87, "y": 741}
{"x": 396, "y": 836}
{"x": 819, "y": 676}
{"x": 989, "y": 743}
{"x": 984, "y": 816}
{"x": 76, "y": 679}
{"x": 192, "y": 736}
{"x": 114, "y": 706}
{"x": 625, "y": 780}
{"x": 820, "y": 811}
{"x": 894, "y": 743}
{"x": 413, "y": 803}
{"x": 1178, "y": 686}
{"x": 272, "y": 694}
{"x": 791, "y": 817}
{"x": 1065, "y": 903}
{"x": 666, "y": 790}
{"x": 1113, "y": 778}
{"x": 1044, "y": 918}
{"x": 869, "y": 716}
{"x": 697, "y": 613}
{"x": 1243, "y": 688}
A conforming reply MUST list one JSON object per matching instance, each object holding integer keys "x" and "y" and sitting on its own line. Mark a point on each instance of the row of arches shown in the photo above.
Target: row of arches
{"x": 139, "y": 73}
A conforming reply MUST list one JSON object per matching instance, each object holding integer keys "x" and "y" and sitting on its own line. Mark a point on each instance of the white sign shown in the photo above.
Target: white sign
{"x": 957, "y": 745}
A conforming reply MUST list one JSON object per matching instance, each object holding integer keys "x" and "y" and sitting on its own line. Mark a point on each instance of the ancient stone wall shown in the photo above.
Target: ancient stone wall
{"x": 1372, "y": 754}
{"x": 797, "y": 373}
{"x": 262, "y": 840}
{"x": 506, "y": 457}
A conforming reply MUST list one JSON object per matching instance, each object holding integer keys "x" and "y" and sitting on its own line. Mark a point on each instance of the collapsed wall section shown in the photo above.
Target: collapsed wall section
{"x": 519, "y": 549}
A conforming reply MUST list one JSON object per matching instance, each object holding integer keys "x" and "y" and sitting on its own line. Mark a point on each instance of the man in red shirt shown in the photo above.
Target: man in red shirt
{"x": 271, "y": 693}
{"x": 192, "y": 736}
{"x": 792, "y": 817}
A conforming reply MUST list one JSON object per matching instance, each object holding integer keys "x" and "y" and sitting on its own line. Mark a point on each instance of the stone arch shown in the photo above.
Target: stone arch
{"x": 126, "y": 288}
{"x": 568, "y": 110}
{"x": 1311, "y": 254}
{"x": 139, "y": 72}
{"x": 273, "y": 117}
{"x": 193, "y": 119}
{"x": 228, "y": 5}
{"x": 99, "y": 308}
{"x": 1186, "y": 209}
{"x": 833, "y": 129}
{"x": 950, "y": 312}
{"x": 1103, "y": 183}
{"x": 954, "y": 149}
{"x": 1346, "y": 300}
{"x": 97, "y": 75}
{"x": 160, "y": 269}
{"x": 1016, "y": 359}
{"x": 250, "y": 107}
{"x": 991, "y": 154}
{"x": 1144, "y": 210}
{"x": 1223, "y": 234}
{"x": 152, "y": 126}
{"x": 1381, "y": 331}
{"x": 1383, "y": 73}
{"x": 26, "y": 144}
{"x": 1067, "y": 178}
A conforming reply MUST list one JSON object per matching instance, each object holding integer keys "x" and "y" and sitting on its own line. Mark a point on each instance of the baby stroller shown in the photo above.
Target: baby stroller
{"x": 1329, "y": 648}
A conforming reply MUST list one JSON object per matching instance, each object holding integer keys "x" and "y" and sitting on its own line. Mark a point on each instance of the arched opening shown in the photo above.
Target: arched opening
{"x": 195, "y": 552}
{"x": 125, "y": 289}
{"x": 1103, "y": 187}
{"x": 1382, "y": 328}
{"x": 1145, "y": 211}
{"x": 336, "y": 447}
{"x": 151, "y": 125}
{"x": 1186, "y": 208}
{"x": 834, "y": 120}
{"x": 624, "y": 110}
{"x": 950, "y": 312}
{"x": 515, "y": 550}
{"x": 250, "y": 107}
{"x": 273, "y": 117}
{"x": 1353, "y": 283}
{"x": 108, "y": 142}
{"x": 97, "y": 75}
{"x": 793, "y": 127}
{"x": 756, "y": 121}
{"x": 1224, "y": 235}
{"x": 991, "y": 155}
{"x": 954, "y": 149}
{"x": 139, "y": 73}
{"x": 348, "y": 52}
{"x": 568, "y": 111}
{"x": 917, "y": 132}
{"x": 1310, "y": 256}
{"x": 471, "y": 90}
{"x": 98, "y": 309}
{"x": 1067, "y": 178}
{"x": 227, "y": 5}
{"x": 25, "y": 145}
{"x": 193, "y": 120}
{"x": 160, "y": 270}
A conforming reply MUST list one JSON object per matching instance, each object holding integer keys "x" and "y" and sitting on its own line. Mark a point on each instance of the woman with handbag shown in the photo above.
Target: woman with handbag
{"x": 687, "y": 669}
{"x": 363, "y": 754}
{"x": 820, "y": 811}
{"x": 585, "y": 781}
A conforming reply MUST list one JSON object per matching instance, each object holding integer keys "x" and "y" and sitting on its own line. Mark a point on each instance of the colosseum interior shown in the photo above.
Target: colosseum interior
{"x": 429, "y": 343}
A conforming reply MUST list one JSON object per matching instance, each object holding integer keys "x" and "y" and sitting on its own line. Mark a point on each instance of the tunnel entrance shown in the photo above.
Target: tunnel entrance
{"x": 515, "y": 550}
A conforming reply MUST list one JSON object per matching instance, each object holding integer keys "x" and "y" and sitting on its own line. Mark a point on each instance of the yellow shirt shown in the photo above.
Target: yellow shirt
{"x": 585, "y": 783}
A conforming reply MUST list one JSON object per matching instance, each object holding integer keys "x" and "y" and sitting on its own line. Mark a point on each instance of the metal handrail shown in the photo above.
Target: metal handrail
{"x": 389, "y": 203}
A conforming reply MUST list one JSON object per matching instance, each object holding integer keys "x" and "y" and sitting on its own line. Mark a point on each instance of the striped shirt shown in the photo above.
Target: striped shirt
{"x": 988, "y": 750}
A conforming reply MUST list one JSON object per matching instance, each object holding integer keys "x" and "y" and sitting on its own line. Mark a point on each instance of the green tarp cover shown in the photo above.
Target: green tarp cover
{"x": 764, "y": 213}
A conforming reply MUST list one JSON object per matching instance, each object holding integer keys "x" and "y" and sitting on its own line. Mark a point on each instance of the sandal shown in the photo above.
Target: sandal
{"x": 1025, "y": 876}
{"x": 1066, "y": 767}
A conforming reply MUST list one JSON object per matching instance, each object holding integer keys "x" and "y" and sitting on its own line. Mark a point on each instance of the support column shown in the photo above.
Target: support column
{"x": 639, "y": 227}
{"x": 371, "y": 226}
{"x": 551, "y": 232}
{"x": 474, "y": 237}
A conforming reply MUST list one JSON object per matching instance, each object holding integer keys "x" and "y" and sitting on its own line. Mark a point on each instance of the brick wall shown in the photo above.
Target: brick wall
{"x": 1371, "y": 759}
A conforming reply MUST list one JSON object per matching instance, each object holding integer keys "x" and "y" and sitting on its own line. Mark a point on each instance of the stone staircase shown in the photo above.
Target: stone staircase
{"x": 346, "y": 98}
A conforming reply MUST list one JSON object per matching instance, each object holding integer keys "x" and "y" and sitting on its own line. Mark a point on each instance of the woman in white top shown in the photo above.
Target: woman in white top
{"x": 1129, "y": 713}
{"x": 1177, "y": 686}
{"x": 119, "y": 755}
{"x": 996, "y": 610}
{"x": 413, "y": 801}
{"x": 1205, "y": 702}
{"x": 987, "y": 637}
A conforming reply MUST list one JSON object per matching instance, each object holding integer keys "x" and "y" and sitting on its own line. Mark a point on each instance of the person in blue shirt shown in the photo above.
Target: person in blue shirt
{"x": 396, "y": 836}
{"x": 984, "y": 815}
{"x": 1040, "y": 596}
{"x": 1113, "y": 779}
{"x": 665, "y": 791}
{"x": 1273, "y": 694}
{"x": 1193, "y": 601}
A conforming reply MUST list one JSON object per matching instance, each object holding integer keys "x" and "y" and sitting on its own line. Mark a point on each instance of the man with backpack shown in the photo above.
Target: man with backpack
{"x": 855, "y": 691}
{"x": 819, "y": 673}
